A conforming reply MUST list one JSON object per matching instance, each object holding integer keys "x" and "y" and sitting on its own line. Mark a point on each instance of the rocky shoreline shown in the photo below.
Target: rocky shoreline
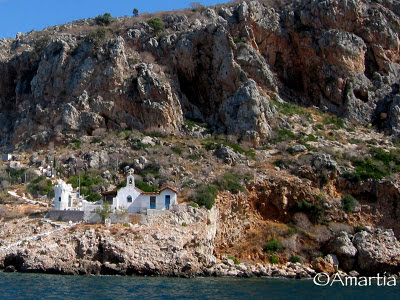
{"x": 182, "y": 244}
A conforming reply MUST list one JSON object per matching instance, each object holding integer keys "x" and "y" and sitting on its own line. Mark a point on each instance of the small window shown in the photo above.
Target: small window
{"x": 130, "y": 180}
{"x": 129, "y": 198}
{"x": 59, "y": 199}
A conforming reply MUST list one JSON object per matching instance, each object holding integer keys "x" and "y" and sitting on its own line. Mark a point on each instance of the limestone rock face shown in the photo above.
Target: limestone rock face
{"x": 162, "y": 247}
{"x": 378, "y": 251}
{"x": 220, "y": 67}
{"x": 246, "y": 114}
{"x": 342, "y": 246}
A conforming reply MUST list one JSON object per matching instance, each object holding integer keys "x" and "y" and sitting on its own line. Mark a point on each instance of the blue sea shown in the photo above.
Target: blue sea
{"x": 42, "y": 286}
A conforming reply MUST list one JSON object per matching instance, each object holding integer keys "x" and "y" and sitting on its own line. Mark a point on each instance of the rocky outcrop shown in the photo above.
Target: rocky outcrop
{"x": 222, "y": 67}
{"x": 342, "y": 246}
{"x": 229, "y": 156}
{"x": 378, "y": 251}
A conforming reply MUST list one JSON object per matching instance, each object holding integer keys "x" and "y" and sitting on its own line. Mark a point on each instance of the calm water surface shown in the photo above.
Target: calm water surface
{"x": 41, "y": 286}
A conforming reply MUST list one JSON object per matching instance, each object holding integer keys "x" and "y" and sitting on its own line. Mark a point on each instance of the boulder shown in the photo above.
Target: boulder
{"x": 321, "y": 265}
{"x": 378, "y": 251}
{"x": 342, "y": 246}
{"x": 229, "y": 156}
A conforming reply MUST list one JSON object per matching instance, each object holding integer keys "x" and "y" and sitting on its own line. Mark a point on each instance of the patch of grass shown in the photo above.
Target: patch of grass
{"x": 273, "y": 246}
{"x": 311, "y": 138}
{"x": 380, "y": 164}
{"x": 283, "y": 135}
{"x": 190, "y": 124}
{"x": 194, "y": 157}
{"x": 289, "y": 108}
{"x": 177, "y": 150}
{"x": 334, "y": 120}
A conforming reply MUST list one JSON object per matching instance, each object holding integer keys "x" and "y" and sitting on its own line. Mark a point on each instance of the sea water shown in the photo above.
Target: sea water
{"x": 42, "y": 286}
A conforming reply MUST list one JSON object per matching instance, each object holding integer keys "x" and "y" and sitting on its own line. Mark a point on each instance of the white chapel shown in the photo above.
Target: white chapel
{"x": 130, "y": 197}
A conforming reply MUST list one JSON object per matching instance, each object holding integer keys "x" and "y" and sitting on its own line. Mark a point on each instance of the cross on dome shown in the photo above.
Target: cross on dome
{"x": 131, "y": 171}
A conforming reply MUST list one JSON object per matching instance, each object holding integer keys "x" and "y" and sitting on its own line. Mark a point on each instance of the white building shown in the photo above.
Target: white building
{"x": 131, "y": 198}
{"x": 134, "y": 200}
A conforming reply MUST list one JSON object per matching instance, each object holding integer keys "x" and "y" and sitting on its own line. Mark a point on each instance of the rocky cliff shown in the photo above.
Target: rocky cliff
{"x": 221, "y": 65}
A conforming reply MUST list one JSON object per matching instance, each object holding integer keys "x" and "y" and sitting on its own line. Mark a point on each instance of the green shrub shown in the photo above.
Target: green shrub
{"x": 237, "y": 40}
{"x": 205, "y": 195}
{"x": 273, "y": 246}
{"x": 289, "y": 108}
{"x": 41, "y": 186}
{"x": 76, "y": 144}
{"x": 16, "y": 176}
{"x": 104, "y": 212}
{"x": 284, "y": 163}
{"x": 379, "y": 165}
{"x": 230, "y": 182}
{"x": 273, "y": 259}
{"x": 313, "y": 211}
{"x": 184, "y": 224}
{"x": 359, "y": 228}
{"x": 177, "y": 150}
{"x": 41, "y": 44}
{"x": 283, "y": 135}
{"x": 349, "y": 203}
{"x": 87, "y": 181}
{"x": 144, "y": 186}
{"x": 311, "y": 138}
{"x": 157, "y": 24}
{"x": 151, "y": 168}
{"x": 295, "y": 259}
{"x": 96, "y": 37}
{"x": 235, "y": 261}
{"x": 103, "y": 20}
{"x": 334, "y": 120}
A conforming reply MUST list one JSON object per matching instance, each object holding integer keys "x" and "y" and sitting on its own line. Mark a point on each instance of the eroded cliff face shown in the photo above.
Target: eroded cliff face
{"x": 222, "y": 66}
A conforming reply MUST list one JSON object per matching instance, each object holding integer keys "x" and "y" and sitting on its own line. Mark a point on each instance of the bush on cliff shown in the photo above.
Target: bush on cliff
{"x": 273, "y": 246}
{"x": 157, "y": 24}
{"x": 103, "y": 20}
{"x": 205, "y": 195}
{"x": 349, "y": 203}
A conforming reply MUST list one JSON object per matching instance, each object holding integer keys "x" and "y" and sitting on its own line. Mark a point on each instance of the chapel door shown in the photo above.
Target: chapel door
{"x": 167, "y": 201}
{"x": 152, "y": 202}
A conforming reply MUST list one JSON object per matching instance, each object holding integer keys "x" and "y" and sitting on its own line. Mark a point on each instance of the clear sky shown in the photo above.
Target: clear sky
{"x": 25, "y": 15}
